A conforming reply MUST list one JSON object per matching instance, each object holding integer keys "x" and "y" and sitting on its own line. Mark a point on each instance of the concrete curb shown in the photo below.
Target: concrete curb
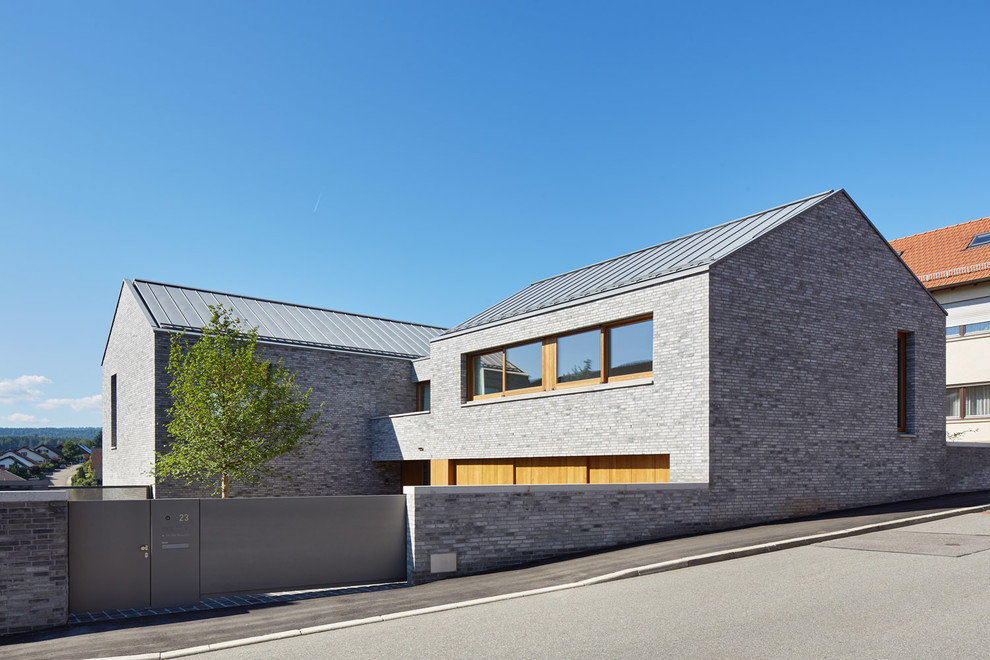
{"x": 661, "y": 567}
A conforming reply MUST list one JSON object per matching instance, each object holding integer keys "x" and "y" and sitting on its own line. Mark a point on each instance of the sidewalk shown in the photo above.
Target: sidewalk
{"x": 162, "y": 633}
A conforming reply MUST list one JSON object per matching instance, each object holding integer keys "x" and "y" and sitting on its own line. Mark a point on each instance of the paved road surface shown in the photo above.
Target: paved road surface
{"x": 891, "y": 594}
{"x": 63, "y": 476}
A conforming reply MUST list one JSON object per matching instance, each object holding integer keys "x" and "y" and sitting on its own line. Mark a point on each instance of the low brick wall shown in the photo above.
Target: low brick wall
{"x": 33, "y": 561}
{"x": 458, "y": 530}
{"x": 967, "y": 466}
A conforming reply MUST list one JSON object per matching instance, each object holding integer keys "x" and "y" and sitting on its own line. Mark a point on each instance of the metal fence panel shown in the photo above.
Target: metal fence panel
{"x": 265, "y": 544}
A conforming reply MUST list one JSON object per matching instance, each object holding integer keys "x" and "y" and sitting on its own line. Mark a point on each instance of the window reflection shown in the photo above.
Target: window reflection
{"x": 579, "y": 357}
{"x": 524, "y": 366}
{"x": 630, "y": 349}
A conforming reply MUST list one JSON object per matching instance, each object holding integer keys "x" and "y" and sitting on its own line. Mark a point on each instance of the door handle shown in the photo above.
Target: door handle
{"x": 145, "y": 549}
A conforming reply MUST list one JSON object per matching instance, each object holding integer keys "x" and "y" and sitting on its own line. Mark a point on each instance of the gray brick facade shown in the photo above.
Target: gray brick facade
{"x": 775, "y": 385}
{"x": 803, "y": 377}
{"x": 491, "y": 527}
{"x": 33, "y": 561}
{"x": 631, "y": 417}
{"x": 354, "y": 388}
{"x": 967, "y": 467}
{"x": 132, "y": 356}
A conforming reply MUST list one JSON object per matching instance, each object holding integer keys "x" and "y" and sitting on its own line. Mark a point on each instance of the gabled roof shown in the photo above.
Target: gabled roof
{"x": 942, "y": 257}
{"x": 665, "y": 261}
{"x": 6, "y": 475}
{"x": 184, "y": 309}
{"x": 23, "y": 460}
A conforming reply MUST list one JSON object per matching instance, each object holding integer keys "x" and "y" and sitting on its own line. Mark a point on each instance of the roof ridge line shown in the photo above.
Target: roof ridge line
{"x": 282, "y": 302}
{"x": 932, "y": 231}
{"x": 694, "y": 233}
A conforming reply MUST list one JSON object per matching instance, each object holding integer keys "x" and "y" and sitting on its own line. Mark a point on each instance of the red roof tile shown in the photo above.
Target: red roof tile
{"x": 942, "y": 257}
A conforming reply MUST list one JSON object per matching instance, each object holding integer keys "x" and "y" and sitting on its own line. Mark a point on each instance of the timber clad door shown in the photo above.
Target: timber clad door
{"x": 109, "y": 555}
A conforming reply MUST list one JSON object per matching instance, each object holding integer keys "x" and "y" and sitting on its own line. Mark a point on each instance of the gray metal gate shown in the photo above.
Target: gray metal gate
{"x": 166, "y": 553}
{"x": 133, "y": 554}
{"x": 109, "y": 544}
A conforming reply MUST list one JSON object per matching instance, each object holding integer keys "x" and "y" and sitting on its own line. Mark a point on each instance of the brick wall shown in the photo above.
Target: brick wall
{"x": 803, "y": 375}
{"x": 130, "y": 355}
{"x": 491, "y": 527}
{"x": 967, "y": 467}
{"x": 666, "y": 416}
{"x": 354, "y": 388}
{"x": 33, "y": 561}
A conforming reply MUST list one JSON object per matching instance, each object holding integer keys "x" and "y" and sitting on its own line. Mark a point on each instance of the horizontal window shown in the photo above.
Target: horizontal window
{"x": 968, "y": 329}
{"x": 617, "y": 351}
{"x": 969, "y": 401}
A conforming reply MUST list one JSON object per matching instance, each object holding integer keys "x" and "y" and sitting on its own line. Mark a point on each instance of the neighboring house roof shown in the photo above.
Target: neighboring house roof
{"x": 6, "y": 475}
{"x": 179, "y": 308}
{"x": 943, "y": 257}
{"x": 14, "y": 456}
{"x": 665, "y": 261}
{"x": 32, "y": 455}
{"x": 47, "y": 451}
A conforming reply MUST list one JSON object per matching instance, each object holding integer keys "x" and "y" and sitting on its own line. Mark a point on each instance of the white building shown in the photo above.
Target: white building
{"x": 954, "y": 264}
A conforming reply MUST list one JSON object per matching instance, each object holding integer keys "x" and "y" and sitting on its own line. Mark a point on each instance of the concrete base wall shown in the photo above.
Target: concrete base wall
{"x": 967, "y": 467}
{"x": 33, "y": 561}
{"x": 458, "y": 530}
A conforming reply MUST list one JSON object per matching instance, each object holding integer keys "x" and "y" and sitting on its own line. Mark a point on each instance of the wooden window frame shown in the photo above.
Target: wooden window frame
{"x": 902, "y": 382}
{"x": 601, "y": 364}
{"x": 113, "y": 411}
{"x": 607, "y": 338}
{"x": 549, "y": 363}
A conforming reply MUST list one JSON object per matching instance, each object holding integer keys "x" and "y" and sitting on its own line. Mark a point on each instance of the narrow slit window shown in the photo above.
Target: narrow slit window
{"x": 113, "y": 411}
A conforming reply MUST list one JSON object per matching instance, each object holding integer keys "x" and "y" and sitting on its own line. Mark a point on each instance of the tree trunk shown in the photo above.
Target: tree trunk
{"x": 225, "y": 487}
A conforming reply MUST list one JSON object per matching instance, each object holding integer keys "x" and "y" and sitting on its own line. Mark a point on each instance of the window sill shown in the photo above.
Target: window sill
{"x": 408, "y": 414}
{"x": 906, "y": 436}
{"x": 978, "y": 335}
{"x": 561, "y": 392}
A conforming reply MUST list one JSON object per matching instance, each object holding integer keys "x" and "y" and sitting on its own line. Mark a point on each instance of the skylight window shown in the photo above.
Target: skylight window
{"x": 980, "y": 239}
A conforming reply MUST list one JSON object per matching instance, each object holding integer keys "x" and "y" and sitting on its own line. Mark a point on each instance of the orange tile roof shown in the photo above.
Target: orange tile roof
{"x": 942, "y": 258}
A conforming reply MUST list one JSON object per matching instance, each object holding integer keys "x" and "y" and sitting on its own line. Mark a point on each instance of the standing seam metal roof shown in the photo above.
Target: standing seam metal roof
{"x": 181, "y": 308}
{"x": 702, "y": 248}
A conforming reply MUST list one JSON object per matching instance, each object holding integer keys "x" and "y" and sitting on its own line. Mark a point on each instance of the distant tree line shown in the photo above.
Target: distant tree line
{"x": 9, "y": 441}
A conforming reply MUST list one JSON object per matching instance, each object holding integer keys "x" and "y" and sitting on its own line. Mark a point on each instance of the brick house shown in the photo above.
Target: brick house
{"x": 358, "y": 365}
{"x": 781, "y": 364}
{"x": 763, "y": 354}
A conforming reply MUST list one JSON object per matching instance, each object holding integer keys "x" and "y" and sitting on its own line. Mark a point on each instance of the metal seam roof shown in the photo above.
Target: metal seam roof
{"x": 698, "y": 249}
{"x": 186, "y": 309}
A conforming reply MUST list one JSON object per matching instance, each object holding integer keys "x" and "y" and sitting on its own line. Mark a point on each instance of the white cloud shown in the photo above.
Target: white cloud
{"x": 22, "y": 388}
{"x": 82, "y": 403}
{"x": 20, "y": 418}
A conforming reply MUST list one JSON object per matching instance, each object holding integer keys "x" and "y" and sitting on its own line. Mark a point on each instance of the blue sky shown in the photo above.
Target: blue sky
{"x": 423, "y": 160}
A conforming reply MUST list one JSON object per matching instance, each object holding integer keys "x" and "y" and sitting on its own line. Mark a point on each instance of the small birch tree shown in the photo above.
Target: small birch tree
{"x": 232, "y": 411}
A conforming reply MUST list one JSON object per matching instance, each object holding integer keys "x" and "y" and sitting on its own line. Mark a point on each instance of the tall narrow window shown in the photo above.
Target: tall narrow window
{"x": 952, "y": 408}
{"x": 903, "y": 381}
{"x": 423, "y": 396}
{"x": 113, "y": 411}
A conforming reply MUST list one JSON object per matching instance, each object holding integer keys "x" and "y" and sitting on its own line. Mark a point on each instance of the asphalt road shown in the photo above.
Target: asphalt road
{"x": 917, "y": 592}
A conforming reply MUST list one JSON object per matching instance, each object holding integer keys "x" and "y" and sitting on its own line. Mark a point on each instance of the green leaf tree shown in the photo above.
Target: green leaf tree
{"x": 232, "y": 411}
